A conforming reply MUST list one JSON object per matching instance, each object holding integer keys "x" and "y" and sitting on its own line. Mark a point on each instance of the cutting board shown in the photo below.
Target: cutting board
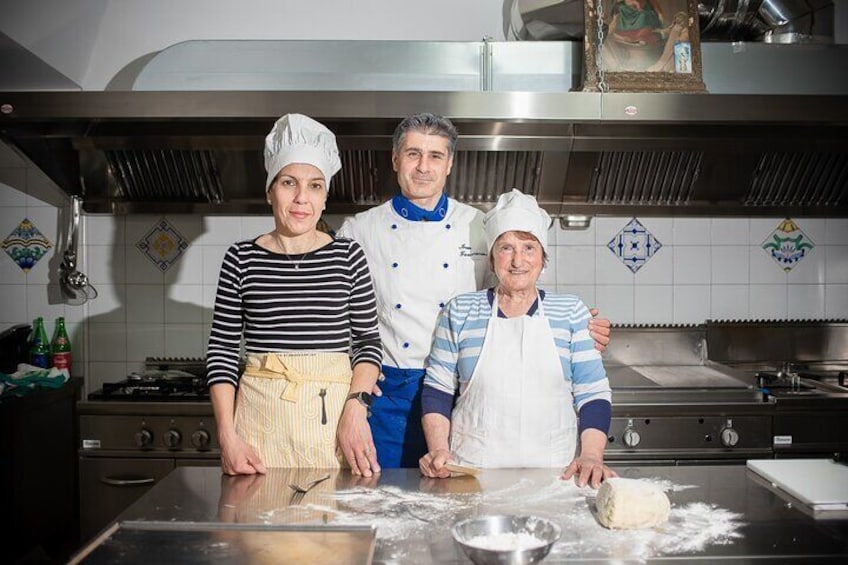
{"x": 820, "y": 483}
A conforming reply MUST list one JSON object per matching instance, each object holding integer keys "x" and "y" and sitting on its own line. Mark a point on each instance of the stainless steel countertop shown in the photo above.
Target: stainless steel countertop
{"x": 413, "y": 515}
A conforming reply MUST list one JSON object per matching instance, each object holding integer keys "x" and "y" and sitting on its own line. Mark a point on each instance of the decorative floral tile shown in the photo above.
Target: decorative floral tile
{"x": 634, "y": 245}
{"x": 26, "y": 245}
{"x": 787, "y": 244}
{"x": 163, "y": 245}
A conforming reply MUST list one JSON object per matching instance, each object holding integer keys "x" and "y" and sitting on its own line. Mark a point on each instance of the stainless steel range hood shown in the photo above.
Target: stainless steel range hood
{"x": 189, "y": 140}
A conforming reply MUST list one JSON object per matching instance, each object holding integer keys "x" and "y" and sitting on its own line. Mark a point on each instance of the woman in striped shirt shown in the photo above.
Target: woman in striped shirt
{"x": 522, "y": 362}
{"x": 304, "y": 304}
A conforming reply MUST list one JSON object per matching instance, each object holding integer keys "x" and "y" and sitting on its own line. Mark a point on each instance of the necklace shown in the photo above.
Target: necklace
{"x": 308, "y": 249}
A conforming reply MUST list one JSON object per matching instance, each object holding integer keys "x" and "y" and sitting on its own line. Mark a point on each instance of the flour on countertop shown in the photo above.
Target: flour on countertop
{"x": 401, "y": 516}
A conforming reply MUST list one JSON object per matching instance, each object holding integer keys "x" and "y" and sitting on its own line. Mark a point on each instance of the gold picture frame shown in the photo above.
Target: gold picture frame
{"x": 643, "y": 46}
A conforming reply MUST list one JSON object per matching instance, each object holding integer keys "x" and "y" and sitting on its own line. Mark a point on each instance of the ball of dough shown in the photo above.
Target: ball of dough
{"x": 626, "y": 504}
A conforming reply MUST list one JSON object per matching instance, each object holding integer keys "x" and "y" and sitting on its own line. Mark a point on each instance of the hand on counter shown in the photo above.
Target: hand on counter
{"x": 588, "y": 467}
{"x": 239, "y": 458}
{"x": 432, "y": 464}
{"x": 355, "y": 441}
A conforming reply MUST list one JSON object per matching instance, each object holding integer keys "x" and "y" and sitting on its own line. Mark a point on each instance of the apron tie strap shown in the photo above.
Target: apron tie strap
{"x": 273, "y": 366}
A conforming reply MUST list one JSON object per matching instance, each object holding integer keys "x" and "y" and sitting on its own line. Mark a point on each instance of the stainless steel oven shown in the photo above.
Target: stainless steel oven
{"x": 133, "y": 433}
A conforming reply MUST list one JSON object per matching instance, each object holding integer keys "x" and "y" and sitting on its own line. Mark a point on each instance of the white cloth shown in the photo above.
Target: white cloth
{"x": 517, "y": 409}
{"x": 516, "y": 211}
{"x": 418, "y": 266}
{"x": 296, "y": 138}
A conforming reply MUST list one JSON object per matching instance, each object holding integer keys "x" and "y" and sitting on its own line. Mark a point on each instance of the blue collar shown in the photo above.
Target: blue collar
{"x": 490, "y": 293}
{"x": 413, "y": 213}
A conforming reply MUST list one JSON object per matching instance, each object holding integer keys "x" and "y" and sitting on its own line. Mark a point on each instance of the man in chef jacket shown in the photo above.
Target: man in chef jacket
{"x": 423, "y": 248}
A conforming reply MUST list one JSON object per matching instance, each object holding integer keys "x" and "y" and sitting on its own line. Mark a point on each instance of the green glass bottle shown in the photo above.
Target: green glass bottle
{"x": 39, "y": 347}
{"x": 60, "y": 347}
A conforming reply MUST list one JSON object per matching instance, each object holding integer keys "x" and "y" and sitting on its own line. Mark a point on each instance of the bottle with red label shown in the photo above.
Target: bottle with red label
{"x": 60, "y": 347}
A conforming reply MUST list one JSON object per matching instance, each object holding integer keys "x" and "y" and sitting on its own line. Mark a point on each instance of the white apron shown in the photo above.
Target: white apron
{"x": 517, "y": 409}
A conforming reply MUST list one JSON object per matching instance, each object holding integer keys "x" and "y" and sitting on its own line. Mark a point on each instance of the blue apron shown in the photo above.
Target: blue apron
{"x": 396, "y": 419}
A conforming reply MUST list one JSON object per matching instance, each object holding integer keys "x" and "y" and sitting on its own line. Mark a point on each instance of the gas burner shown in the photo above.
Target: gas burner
{"x": 152, "y": 375}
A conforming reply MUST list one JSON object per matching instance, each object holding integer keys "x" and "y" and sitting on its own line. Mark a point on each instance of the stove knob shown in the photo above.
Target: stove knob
{"x": 631, "y": 438}
{"x": 173, "y": 438}
{"x": 143, "y": 438}
{"x": 729, "y": 437}
{"x": 201, "y": 440}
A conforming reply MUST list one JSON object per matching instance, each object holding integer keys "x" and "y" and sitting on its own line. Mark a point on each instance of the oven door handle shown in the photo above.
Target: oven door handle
{"x": 127, "y": 481}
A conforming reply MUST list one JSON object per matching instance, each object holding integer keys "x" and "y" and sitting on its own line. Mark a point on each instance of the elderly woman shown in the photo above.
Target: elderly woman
{"x": 522, "y": 361}
{"x": 304, "y": 303}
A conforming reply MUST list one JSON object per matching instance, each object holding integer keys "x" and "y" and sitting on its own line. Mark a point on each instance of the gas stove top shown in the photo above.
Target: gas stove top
{"x": 163, "y": 380}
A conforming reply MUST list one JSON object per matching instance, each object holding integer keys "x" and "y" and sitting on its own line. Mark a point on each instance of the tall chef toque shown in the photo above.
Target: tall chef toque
{"x": 516, "y": 211}
{"x": 296, "y": 138}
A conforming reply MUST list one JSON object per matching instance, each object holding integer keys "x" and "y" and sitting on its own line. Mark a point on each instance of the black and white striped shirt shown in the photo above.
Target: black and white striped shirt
{"x": 321, "y": 301}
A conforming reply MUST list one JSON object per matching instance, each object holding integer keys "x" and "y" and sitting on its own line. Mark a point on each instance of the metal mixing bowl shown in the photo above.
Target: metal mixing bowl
{"x": 541, "y": 528}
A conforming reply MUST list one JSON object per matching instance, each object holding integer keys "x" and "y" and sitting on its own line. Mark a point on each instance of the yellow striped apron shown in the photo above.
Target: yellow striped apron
{"x": 288, "y": 407}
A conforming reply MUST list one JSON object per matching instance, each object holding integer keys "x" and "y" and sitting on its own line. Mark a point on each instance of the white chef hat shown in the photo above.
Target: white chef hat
{"x": 296, "y": 138}
{"x": 516, "y": 211}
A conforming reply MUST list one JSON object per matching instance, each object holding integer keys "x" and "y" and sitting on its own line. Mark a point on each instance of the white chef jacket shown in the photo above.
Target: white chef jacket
{"x": 417, "y": 267}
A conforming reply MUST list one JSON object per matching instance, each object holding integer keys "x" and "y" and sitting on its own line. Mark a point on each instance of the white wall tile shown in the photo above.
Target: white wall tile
{"x": 763, "y": 268}
{"x": 575, "y": 236}
{"x": 213, "y": 257}
{"x": 586, "y": 293}
{"x": 606, "y": 228}
{"x": 138, "y": 225}
{"x": 806, "y": 301}
{"x": 836, "y": 259}
{"x": 659, "y": 269}
{"x": 188, "y": 269}
{"x": 190, "y": 226}
{"x": 110, "y": 304}
{"x": 14, "y": 310}
{"x": 609, "y": 269}
{"x": 10, "y": 272}
{"x": 145, "y": 340}
{"x": 836, "y": 231}
{"x": 145, "y": 304}
{"x": 76, "y": 313}
{"x": 185, "y": 340}
{"x": 224, "y": 230}
{"x": 729, "y": 302}
{"x": 768, "y": 301}
{"x": 184, "y": 304}
{"x": 575, "y": 264}
{"x": 811, "y": 269}
{"x": 691, "y": 264}
{"x": 660, "y": 228}
{"x": 729, "y": 264}
{"x": 46, "y": 219}
{"x": 761, "y": 228}
{"x": 729, "y": 231}
{"x": 616, "y": 303}
{"x": 654, "y": 304}
{"x": 836, "y": 301}
{"x": 813, "y": 228}
{"x": 107, "y": 342}
{"x": 10, "y": 219}
{"x": 12, "y": 193}
{"x": 38, "y": 304}
{"x": 691, "y": 304}
{"x": 691, "y": 231}
{"x": 41, "y": 191}
{"x": 140, "y": 269}
{"x": 106, "y": 264}
{"x": 104, "y": 230}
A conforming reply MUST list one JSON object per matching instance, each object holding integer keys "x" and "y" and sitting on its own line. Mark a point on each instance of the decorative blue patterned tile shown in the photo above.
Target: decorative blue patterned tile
{"x": 163, "y": 245}
{"x": 634, "y": 245}
{"x": 787, "y": 244}
{"x": 26, "y": 245}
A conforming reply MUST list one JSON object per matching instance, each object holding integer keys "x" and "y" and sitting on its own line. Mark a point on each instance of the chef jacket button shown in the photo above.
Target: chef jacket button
{"x": 394, "y": 226}
{"x": 394, "y": 265}
{"x": 441, "y": 304}
{"x": 397, "y": 306}
{"x": 447, "y": 226}
{"x": 406, "y": 345}
{"x": 445, "y": 265}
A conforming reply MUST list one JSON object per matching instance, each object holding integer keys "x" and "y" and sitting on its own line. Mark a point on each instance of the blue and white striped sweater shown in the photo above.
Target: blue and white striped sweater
{"x": 461, "y": 330}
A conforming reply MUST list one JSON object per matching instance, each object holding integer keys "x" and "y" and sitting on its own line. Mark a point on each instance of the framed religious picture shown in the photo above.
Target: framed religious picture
{"x": 642, "y": 46}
